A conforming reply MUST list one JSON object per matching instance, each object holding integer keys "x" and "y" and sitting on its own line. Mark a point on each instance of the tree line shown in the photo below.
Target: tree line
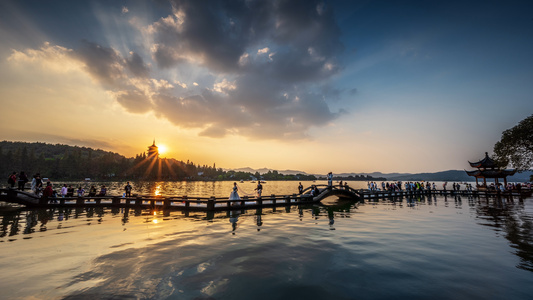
{"x": 63, "y": 162}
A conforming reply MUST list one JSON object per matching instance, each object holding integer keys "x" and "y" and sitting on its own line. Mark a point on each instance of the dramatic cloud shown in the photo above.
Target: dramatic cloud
{"x": 251, "y": 68}
{"x": 137, "y": 66}
{"x": 274, "y": 52}
{"x": 103, "y": 63}
{"x": 52, "y": 58}
{"x": 134, "y": 101}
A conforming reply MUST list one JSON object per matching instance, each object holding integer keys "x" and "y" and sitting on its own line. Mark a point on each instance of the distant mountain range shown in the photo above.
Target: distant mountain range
{"x": 450, "y": 175}
{"x": 265, "y": 170}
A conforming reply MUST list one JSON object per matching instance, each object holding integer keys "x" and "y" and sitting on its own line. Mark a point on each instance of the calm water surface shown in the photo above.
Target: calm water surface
{"x": 437, "y": 247}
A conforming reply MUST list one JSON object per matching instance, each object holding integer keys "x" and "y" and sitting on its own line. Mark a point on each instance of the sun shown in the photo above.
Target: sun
{"x": 162, "y": 149}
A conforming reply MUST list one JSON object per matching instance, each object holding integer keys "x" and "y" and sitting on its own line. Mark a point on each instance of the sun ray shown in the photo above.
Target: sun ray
{"x": 149, "y": 169}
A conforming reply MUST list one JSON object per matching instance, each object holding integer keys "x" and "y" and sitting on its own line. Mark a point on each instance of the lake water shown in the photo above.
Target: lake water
{"x": 421, "y": 248}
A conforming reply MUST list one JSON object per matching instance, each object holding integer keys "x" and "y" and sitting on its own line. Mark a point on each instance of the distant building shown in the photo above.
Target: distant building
{"x": 153, "y": 151}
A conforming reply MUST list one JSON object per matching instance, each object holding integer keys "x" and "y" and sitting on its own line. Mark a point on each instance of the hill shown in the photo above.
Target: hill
{"x": 64, "y": 162}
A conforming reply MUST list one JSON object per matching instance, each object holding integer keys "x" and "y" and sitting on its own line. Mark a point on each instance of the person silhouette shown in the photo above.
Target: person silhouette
{"x": 127, "y": 190}
{"x": 330, "y": 179}
{"x": 234, "y": 195}
{"x": 259, "y": 189}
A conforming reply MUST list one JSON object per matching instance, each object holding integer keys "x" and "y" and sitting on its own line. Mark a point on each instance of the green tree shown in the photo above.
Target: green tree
{"x": 516, "y": 146}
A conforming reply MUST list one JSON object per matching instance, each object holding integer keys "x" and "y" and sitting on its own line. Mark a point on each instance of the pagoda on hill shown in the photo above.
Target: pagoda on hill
{"x": 153, "y": 151}
{"x": 487, "y": 168}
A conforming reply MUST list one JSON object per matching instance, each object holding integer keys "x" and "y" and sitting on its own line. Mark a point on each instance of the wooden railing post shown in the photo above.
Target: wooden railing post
{"x": 211, "y": 203}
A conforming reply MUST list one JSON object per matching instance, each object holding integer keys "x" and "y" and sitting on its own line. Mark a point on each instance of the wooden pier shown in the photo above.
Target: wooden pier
{"x": 168, "y": 203}
{"x": 366, "y": 194}
{"x": 187, "y": 203}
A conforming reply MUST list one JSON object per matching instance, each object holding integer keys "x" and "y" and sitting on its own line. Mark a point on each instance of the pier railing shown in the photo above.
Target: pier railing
{"x": 219, "y": 204}
{"x": 176, "y": 202}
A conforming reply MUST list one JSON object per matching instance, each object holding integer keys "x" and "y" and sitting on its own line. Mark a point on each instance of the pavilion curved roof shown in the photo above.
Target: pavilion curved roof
{"x": 491, "y": 173}
{"x": 153, "y": 147}
{"x": 485, "y": 163}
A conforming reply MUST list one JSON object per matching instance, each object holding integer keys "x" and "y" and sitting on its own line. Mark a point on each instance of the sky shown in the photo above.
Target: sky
{"x": 315, "y": 86}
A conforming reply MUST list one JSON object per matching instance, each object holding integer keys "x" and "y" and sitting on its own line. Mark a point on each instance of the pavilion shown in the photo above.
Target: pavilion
{"x": 487, "y": 168}
{"x": 153, "y": 151}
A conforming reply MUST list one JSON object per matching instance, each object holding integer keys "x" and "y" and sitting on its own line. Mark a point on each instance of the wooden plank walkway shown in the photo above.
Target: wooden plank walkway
{"x": 154, "y": 202}
{"x": 222, "y": 204}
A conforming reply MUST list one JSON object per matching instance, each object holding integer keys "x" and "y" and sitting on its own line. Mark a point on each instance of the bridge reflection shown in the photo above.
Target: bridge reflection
{"x": 510, "y": 216}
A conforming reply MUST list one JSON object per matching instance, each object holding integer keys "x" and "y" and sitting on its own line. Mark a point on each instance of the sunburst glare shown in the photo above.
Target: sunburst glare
{"x": 162, "y": 149}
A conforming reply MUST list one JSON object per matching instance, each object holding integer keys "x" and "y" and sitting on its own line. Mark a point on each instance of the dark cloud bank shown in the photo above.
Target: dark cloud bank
{"x": 269, "y": 63}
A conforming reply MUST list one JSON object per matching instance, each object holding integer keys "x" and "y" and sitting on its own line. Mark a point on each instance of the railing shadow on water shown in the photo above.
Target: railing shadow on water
{"x": 38, "y": 219}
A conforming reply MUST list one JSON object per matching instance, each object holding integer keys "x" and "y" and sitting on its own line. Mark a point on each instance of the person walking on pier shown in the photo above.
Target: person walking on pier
{"x": 234, "y": 195}
{"x": 300, "y": 188}
{"x": 81, "y": 192}
{"x": 12, "y": 179}
{"x": 127, "y": 189}
{"x": 330, "y": 179}
{"x": 23, "y": 178}
{"x": 37, "y": 184}
{"x": 314, "y": 191}
{"x": 64, "y": 191}
{"x": 103, "y": 191}
{"x": 47, "y": 193}
{"x": 70, "y": 191}
{"x": 259, "y": 189}
{"x": 92, "y": 191}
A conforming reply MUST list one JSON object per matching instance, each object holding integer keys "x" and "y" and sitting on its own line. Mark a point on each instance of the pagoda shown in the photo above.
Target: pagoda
{"x": 487, "y": 168}
{"x": 153, "y": 151}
